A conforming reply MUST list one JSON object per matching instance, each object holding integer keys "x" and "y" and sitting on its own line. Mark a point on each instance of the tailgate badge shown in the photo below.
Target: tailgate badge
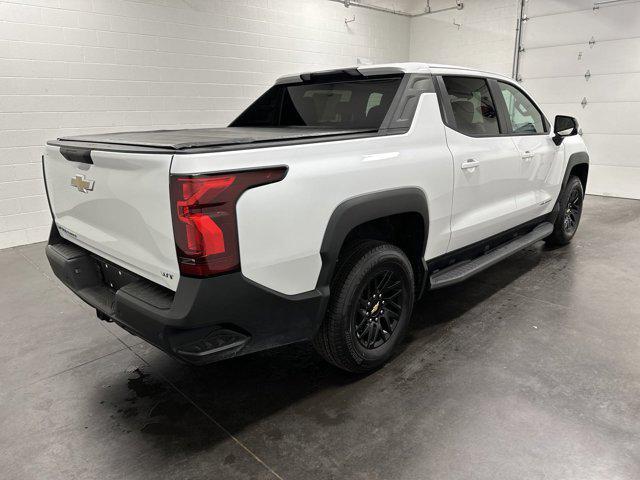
{"x": 81, "y": 183}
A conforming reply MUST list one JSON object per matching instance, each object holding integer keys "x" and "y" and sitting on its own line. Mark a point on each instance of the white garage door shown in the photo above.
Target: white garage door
{"x": 585, "y": 62}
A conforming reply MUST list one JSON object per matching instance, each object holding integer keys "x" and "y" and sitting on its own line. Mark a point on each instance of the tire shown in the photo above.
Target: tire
{"x": 357, "y": 337}
{"x": 570, "y": 202}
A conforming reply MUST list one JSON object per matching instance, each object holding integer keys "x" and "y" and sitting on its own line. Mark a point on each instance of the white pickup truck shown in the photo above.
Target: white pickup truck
{"x": 321, "y": 213}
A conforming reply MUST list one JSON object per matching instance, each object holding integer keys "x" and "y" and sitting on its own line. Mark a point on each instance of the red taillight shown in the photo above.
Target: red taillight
{"x": 204, "y": 218}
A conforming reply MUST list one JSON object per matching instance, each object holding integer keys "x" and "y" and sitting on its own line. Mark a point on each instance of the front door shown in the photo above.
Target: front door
{"x": 537, "y": 185}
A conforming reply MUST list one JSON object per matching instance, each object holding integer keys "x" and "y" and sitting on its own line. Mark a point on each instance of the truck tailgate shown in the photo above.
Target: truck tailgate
{"x": 116, "y": 205}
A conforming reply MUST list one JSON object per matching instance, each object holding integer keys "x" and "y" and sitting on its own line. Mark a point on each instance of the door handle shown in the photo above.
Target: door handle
{"x": 527, "y": 155}
{"x": 470, "y": 164}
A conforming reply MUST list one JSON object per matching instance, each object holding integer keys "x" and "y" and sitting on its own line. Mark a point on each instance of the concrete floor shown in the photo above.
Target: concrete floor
{"x": 529, "y": 371}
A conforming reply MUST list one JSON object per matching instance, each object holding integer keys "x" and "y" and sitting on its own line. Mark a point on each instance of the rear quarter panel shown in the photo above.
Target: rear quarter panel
{"x": 281, "y": 226}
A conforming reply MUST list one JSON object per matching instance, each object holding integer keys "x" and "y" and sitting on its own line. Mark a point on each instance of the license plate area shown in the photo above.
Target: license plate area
{"x": 114, "y": 277}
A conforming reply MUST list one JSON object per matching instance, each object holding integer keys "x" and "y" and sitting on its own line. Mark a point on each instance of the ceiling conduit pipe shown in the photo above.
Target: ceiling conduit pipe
{"x": 428, "y": 11}
{"x": 609, "y": 3}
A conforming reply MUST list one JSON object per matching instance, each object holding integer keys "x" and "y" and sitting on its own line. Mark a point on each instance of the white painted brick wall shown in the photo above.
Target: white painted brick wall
{"x": 484, "y": 40}
{"x": 82, "y": 66}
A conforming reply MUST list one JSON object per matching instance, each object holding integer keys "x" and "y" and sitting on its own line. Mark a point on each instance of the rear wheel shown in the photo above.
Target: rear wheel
{"x": 570, "y": 203}
{"x": 371, "y": 301}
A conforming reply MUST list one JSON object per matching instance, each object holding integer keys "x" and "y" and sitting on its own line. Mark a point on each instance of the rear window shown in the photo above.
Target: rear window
{"x": 472, "y": 105}
{"x": 354, "y": 104}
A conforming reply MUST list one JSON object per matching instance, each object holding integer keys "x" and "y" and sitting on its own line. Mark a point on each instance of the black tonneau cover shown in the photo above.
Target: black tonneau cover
{"x": 198, "y": 139}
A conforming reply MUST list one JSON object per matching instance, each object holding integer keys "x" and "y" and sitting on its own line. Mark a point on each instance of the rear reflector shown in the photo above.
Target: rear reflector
{"x": 204, "y": 218}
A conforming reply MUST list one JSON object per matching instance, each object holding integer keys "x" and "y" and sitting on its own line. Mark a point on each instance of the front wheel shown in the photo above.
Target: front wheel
{"x": 570, "y": 204}
{"x": 371, "y": 301}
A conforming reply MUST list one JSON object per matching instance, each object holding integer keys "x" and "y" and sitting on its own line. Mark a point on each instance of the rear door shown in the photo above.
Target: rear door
{"x": 536, "y": 188}
{"x": 116, "y": 205}
{"x": 485, "y": 161}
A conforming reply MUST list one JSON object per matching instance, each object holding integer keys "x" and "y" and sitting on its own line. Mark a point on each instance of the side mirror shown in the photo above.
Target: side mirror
{"x": 564, "y": 126}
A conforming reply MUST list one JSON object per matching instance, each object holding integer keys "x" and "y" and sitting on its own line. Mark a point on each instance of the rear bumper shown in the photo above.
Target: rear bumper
{"x": 205, "y": 320}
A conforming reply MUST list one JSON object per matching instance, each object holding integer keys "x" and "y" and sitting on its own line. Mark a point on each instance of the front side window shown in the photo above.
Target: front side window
{"x": 473, "y": 108}
{"x": 524, "y": 116}
{"x": 348, "y": 104}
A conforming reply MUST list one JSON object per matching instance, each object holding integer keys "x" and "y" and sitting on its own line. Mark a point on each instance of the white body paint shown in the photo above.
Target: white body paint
{"x": 127, "y": 217}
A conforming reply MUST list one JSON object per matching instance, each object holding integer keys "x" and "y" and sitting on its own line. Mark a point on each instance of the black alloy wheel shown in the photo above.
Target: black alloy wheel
{"x": 569, "y": 212}
{"x": 380, "y": 307}
{"x": 573, "y": 211}
{"x": 372, "y": 296}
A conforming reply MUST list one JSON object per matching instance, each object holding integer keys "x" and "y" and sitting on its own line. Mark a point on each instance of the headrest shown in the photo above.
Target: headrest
{"x": 463, "y": 111}
{"x": 375, "y": 114}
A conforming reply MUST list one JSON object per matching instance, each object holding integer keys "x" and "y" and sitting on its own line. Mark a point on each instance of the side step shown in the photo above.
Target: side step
{"x": 463, "y": 270}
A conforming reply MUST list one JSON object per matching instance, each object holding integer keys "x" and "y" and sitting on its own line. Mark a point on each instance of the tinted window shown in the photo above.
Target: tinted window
{"x": 524, "y": 116}
{"x": 472, "y": 105}
{"x": 357, "y": 104}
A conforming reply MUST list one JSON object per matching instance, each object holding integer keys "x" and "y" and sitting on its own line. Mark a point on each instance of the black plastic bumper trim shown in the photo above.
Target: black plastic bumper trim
{"x": 199, "y": 309}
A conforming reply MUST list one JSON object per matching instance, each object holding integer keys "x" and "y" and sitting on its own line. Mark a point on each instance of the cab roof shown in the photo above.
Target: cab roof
{"x": 388, "y": 69}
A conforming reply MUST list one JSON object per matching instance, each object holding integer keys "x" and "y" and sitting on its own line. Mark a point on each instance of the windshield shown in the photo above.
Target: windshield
{"x": 353, "y": 104}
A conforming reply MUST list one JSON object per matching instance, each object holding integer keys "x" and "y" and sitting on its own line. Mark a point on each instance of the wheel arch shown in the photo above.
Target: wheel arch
{"x": 577, "y": 165}
{"x": 357, "y": 214}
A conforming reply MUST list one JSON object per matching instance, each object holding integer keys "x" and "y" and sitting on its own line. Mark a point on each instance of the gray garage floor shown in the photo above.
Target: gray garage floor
{"x": 529, "y": 371}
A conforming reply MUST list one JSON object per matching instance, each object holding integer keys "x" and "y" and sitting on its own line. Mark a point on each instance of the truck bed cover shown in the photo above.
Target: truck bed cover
{"x": 196, "y": 140}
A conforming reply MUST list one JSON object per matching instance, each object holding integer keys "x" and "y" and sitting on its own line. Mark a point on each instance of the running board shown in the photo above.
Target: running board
{"x": 463, "y": 270}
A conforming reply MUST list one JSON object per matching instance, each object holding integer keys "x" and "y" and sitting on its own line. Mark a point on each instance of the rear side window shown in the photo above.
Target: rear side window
{"x": 473, "y": 108}
{"x": 524, "y": 116}
{"x": 352, "y": 104}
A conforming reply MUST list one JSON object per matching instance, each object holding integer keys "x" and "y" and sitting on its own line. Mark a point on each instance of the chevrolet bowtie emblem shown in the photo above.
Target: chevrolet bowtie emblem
{"x": 82, "y": 184}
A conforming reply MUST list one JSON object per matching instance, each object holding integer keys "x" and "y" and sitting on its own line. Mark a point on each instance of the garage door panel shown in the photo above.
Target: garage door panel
{"x": 619, "y": 118}
{"x": 614, "y": 181}
{"x": 551, "y": 7}
{"x": 535, "y": 63}
{"x": 555, "y": 90}
{"x": 599, "y": 88}
{"x": 571, "y": 109}
{"x": 617, "y": 56}
{"x": 556, "y": 57}
{"x": 611, "y": 149}
{"x": 605, "y": 24}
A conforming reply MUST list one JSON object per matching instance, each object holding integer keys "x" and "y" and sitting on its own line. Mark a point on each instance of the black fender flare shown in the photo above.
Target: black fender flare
{"x": 575, "y": 159}
{"x": 361, "y": 209}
